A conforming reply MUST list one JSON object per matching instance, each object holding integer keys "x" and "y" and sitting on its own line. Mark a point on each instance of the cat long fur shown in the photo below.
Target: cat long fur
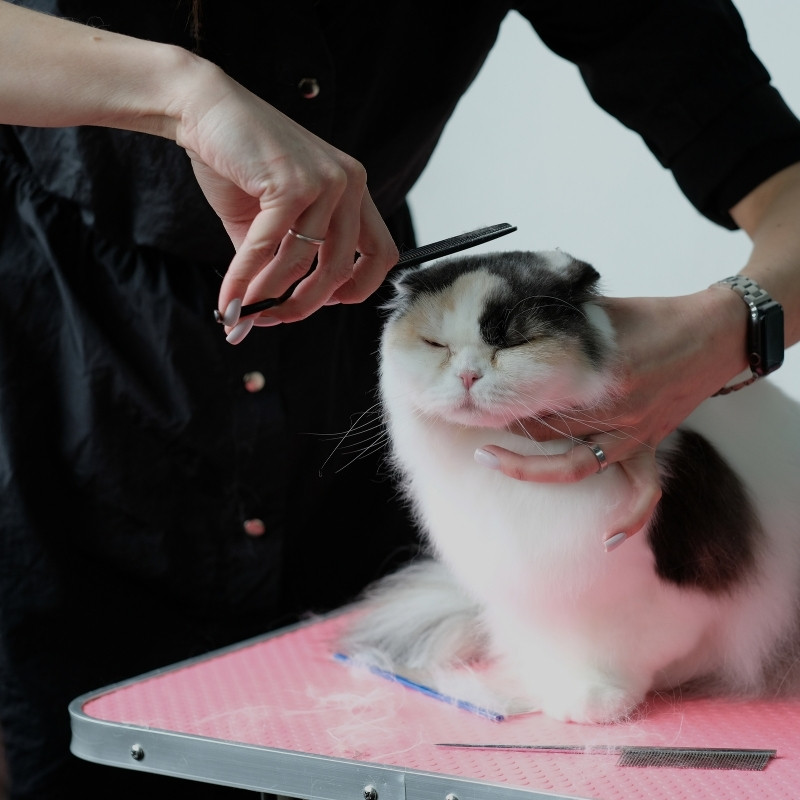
{"x": 515, "y": 577}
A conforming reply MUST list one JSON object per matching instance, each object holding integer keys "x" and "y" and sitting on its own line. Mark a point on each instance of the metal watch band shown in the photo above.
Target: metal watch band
{"x": 747, "y": 289}
{"x": 764, "y": 331}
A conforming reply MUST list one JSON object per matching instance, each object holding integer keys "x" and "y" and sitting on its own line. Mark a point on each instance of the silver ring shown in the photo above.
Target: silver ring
{"x": 602, "y": 461}
{"x": 303, "y": 238}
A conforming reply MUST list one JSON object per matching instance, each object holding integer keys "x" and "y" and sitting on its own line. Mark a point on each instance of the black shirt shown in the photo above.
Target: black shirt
{"x": 157, "y": 501}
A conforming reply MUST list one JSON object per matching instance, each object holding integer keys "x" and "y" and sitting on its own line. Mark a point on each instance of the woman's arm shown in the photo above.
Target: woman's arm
{"x": 676, "y": 352}
{"x": 54, "y": 72}
{"x": 769, "y": 215}
{"x": 261, "y": 172}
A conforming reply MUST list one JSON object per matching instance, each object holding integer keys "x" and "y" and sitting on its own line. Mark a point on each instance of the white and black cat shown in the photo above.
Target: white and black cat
{"x": 517, "y": 578}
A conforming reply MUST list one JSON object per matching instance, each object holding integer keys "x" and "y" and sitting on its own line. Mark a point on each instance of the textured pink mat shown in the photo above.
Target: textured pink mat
{"x": 287, "y": 692}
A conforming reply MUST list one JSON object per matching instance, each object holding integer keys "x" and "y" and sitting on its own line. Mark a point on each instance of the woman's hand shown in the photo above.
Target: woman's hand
{"x": 263, "y": 174}
{"x": 674, "y": 353}
{"x": 269, "y": 179}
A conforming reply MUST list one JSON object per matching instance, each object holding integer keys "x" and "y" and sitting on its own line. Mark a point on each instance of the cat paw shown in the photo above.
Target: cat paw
{"x": 594, "y": 703}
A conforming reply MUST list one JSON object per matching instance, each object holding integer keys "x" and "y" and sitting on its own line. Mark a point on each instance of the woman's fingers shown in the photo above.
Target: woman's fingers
{"x": 343, "y": 259}
{"x": 377, "y": 254}
{"x": 574, "y": 465}
{"x": 346, "y": 274}
{"x": 641, "y": 470}
{"x": 586, "y": 458}
{"x": 342, "y": 272}
{"x": 297, "y": 210}
{"x": 283, "y": 247}
{"x": 316, "y": 231}
{"x": 268, "y": 244}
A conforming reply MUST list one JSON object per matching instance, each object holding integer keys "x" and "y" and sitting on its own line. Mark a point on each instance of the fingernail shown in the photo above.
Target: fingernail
{"x": 266, "y": 322}
{"x": 486, "y": 459}
{"x": 332, "y": 302}
{"x": 613, "y": 542}
{"x": 240, "y": 331}
{"x": 231, "y": 315}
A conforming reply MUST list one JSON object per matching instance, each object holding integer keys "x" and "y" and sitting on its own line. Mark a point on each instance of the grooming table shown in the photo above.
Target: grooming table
{"x": 278, "y": 714}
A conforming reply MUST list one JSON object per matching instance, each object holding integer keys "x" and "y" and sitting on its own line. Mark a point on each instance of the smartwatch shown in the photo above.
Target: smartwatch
{"x": 765, "y": 344}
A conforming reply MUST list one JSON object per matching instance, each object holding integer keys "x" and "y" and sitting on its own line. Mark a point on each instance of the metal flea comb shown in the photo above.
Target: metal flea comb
{"x": 643, "y": 756}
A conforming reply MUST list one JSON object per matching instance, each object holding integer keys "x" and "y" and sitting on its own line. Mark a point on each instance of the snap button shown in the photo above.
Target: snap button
{"x": 254, "y": 527}
{"x": 309, "y": 87}
{"x": 254, "y": 381}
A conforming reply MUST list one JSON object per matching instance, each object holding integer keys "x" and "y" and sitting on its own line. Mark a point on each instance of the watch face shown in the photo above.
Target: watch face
{"x": 766, "y": 348}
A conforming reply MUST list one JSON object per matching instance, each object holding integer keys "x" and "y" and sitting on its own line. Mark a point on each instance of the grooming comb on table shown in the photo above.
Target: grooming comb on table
{"x": 638, "y": 756}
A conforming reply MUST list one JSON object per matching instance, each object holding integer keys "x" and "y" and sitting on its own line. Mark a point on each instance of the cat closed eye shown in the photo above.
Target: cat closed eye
{"x": 432, "y": 343}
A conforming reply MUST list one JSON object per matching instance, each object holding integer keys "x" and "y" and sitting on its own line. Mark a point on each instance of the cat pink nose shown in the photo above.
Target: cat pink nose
{"x": 468, "y": 377}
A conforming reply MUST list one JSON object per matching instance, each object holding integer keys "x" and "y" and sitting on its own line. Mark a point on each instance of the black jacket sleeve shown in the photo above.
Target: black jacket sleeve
{"x": 681, "y": 74}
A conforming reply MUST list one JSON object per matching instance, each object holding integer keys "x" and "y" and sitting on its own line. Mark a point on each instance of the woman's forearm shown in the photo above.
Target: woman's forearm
{"x": 770, "y": 215}
{"x": 261, "y": 172}
{"x": 54, "y": 72}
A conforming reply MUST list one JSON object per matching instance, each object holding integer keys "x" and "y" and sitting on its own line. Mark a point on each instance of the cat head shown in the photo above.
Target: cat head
{"x": 488, "y": 338}
{"x": 527, "y": 272}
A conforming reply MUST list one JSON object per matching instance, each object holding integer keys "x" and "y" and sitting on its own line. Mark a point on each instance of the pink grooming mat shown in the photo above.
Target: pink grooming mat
{"x": 272, "y": 700}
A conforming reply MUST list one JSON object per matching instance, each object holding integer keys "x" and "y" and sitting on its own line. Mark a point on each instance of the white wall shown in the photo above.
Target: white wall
{"x": 528, "y": 146}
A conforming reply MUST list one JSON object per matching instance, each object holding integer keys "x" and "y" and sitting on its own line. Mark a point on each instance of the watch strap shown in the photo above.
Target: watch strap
{"x": 759, "y": 302}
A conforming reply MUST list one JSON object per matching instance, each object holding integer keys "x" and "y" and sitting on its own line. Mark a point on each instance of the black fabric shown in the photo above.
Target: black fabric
{"x": 133, "y": 455}
{"x": 130, "y": 452}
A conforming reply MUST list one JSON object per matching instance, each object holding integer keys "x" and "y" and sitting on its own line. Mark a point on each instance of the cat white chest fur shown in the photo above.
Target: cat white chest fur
{"x": 517, "y": 576}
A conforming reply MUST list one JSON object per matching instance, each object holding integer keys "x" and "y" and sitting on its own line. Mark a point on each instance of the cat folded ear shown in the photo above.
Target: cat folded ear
{"x": 401, "y": 290}
{"x": 584, "y": 280}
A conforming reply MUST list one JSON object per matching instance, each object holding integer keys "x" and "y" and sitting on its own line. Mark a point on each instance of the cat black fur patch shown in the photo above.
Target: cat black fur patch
{"x": 537, "y": 297}
{"x": 704, "y": 532}
{"x": 551, "y": 302}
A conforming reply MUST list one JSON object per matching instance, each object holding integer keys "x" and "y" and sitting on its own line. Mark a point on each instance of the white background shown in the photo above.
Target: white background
{"x": 528, "y": 146}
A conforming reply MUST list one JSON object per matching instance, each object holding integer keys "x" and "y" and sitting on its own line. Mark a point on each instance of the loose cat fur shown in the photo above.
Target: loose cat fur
{"x": 516, "y": 605}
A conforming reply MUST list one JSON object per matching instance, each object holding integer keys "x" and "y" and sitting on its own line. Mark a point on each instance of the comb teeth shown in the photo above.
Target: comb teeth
{"x": 643, "y": 756}
{"x": 695, "y": 758}
{"x": 446, "y": 247}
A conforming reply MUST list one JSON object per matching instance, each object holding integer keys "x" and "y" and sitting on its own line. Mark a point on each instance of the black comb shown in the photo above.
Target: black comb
{"x": 417, "y": 255}
{"x": 454, "y": 244}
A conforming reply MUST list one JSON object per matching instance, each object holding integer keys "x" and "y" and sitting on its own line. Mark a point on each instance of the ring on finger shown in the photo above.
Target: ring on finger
{"x": 602, "y": 461}
{"x": 303, "y": 238}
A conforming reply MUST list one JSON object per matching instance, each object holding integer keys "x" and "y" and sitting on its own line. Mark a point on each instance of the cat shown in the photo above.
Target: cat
{"x": 514, "y": 604}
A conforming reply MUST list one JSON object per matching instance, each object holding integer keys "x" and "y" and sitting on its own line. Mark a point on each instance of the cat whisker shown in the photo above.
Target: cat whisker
{"x": 372, "y": 446}
{"x": 373, "y": 411}
{"x": 614, "y": 433}
{"x": 537, "y": 416}
{"x": 620, "y": 431}
{"x": 789, "y": 677}
{"x": 364, "y": 445}
{"x": 371, "y": 433}
{"x": 566, "y": 417}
